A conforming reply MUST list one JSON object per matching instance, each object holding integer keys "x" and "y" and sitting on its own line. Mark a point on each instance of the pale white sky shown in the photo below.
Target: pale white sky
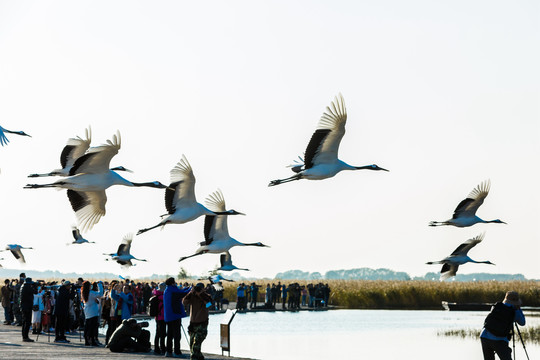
{"x": 444, "y": 94}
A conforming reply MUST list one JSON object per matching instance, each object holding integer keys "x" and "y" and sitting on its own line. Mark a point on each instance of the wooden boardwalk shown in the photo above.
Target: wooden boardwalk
{"x": 13, "y": 348}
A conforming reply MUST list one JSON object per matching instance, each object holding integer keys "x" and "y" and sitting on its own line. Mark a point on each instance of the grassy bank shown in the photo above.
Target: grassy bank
{"x": 365, "y": 294}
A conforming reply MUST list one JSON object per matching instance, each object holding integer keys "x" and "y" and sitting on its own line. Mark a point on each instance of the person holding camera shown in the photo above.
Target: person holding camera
{"x": 61, "y": 311}
{"x": 131, "y": 337}
{"x": 498, "y": 327}
{"x": 200, "y": 301}
{"x": 90, "y": 298}
{"x": 37, "y": 308}
{"x": 173, "y": 312}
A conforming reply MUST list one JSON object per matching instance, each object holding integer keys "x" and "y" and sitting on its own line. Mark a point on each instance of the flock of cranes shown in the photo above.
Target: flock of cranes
{"x": 465, "y": 216}
{"x": 86, "y": 174}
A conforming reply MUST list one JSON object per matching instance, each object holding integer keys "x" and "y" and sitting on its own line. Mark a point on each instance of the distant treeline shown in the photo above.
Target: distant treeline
{"x": 387, "y": 274}
{"x": 413, "y": 294}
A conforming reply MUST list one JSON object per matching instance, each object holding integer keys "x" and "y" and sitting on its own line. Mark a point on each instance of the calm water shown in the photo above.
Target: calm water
{"x": 352, "y": 334}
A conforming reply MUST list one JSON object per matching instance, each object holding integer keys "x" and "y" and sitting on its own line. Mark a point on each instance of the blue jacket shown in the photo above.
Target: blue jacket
{"x": 127, "y": 303}
{"x": 174, "y": 294}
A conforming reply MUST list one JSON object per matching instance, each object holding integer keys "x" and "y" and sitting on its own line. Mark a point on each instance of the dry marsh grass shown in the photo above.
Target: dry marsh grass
{"x": 414, "y": 294}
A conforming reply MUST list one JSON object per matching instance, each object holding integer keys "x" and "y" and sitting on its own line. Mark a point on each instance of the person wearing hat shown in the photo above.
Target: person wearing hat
{"x": 61, "y": 310}
{"x": 498, "y": 327}
{"x": 26, "y": 302}
{"x": 200, "y": 301}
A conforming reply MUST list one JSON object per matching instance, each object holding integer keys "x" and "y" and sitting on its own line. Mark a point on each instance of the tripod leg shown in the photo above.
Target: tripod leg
{"x": 514, "y": 343}
{"x": 522, "y": 342}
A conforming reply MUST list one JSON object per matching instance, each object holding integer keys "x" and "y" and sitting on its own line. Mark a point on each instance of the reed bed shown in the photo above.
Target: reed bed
{"x": 413, "y": 294}
{"x": 529, "y": 334}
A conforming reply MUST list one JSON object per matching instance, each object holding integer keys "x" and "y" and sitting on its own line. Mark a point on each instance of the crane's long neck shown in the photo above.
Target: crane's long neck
{"x": 478, "y": 262}
{"x": 153, "y": 184}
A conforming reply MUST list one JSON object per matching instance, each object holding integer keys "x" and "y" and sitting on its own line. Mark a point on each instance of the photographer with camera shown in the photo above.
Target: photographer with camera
{"x": 91, "y": 295}
{"x": 173, "y": 312}
{"x": 200, "y": 301}
{"x": 131, "y": 337}
{"x": 498, "y": 327}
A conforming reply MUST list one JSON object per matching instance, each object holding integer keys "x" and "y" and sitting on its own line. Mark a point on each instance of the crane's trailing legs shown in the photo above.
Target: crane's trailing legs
{"x": 37, "y": 186}
{"x": 281, "y": 181}
{"x": 153, "y": 227}
{"x": 187, "y": 257}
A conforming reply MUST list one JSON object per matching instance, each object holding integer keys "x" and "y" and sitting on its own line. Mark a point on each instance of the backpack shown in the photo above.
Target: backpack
{"x": 500, "y": 320}
{"x": 153, "y": 306}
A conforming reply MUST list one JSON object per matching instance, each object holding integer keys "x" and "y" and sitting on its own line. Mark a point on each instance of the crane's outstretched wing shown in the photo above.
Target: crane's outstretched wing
{"x": 89, "y": 207}
{"x": 448, "y": 271}
{"x": 76, "y": 233}
{"x": 74, "y": 149}
{"x": 97, "y": 160}
{"x": 3, "y": 139}
{"x": 464, "y": 248}
{"x": 125, "y": 246}
{"x": 473, "y": 201}
{"x": 209, "y": 229}
{"x": 182, "y": 188}
{"x": 18, "y": 255}
{"x": 216, "y": 202}
{"x": 324, "y": 144}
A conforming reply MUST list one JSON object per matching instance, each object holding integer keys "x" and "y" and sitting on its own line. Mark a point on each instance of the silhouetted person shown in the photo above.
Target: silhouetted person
{"x": 26, "y": 303}
{"x": 498, "y": 327}
{"x": 61, "y": 310}
{"x": 131, "y": 337}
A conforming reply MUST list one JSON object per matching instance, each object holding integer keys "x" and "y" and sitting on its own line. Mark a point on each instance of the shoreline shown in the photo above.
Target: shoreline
{"x": 12, "y": 347}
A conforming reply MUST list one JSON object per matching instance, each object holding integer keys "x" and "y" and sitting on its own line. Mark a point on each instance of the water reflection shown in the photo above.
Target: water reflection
{"x": 353, "y": 334}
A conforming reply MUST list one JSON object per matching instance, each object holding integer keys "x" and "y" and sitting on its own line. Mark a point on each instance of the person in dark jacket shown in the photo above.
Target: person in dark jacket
{"x": 61, "y": 310}
{"x": 130, "y": 336}
{"x": 26, "y": 302}
{"x": 16, "y": 301}
{"x": 200, "y": 301}
{"x": 173, "y": 312}
{"x": 161, "y": 328}
{"x": 7, "y": 291}
{"x": 498, "y": 326}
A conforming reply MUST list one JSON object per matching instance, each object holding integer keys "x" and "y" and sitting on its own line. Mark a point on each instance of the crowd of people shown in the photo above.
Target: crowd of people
{"x": 67, "y": 308}
{"x": 291, "y": 296}
{"x": 83, "y": 306}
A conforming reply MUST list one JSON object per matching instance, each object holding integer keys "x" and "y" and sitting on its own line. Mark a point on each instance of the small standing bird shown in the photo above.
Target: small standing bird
{"x": 459, "y": 257}
{"x": 88, "y": 179}
{"x": 4, "y": 140}
{"x": 465, "y": 213}
{"x": 216, "y": 233}
{"x": 321, "y": 156}
{"x": 180, "y": 201}
{"x": 16, "y": 250}
{"x": 122, "y": 255}
{"x": 78, "y": 237}
{"x": 226, "y": 263}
